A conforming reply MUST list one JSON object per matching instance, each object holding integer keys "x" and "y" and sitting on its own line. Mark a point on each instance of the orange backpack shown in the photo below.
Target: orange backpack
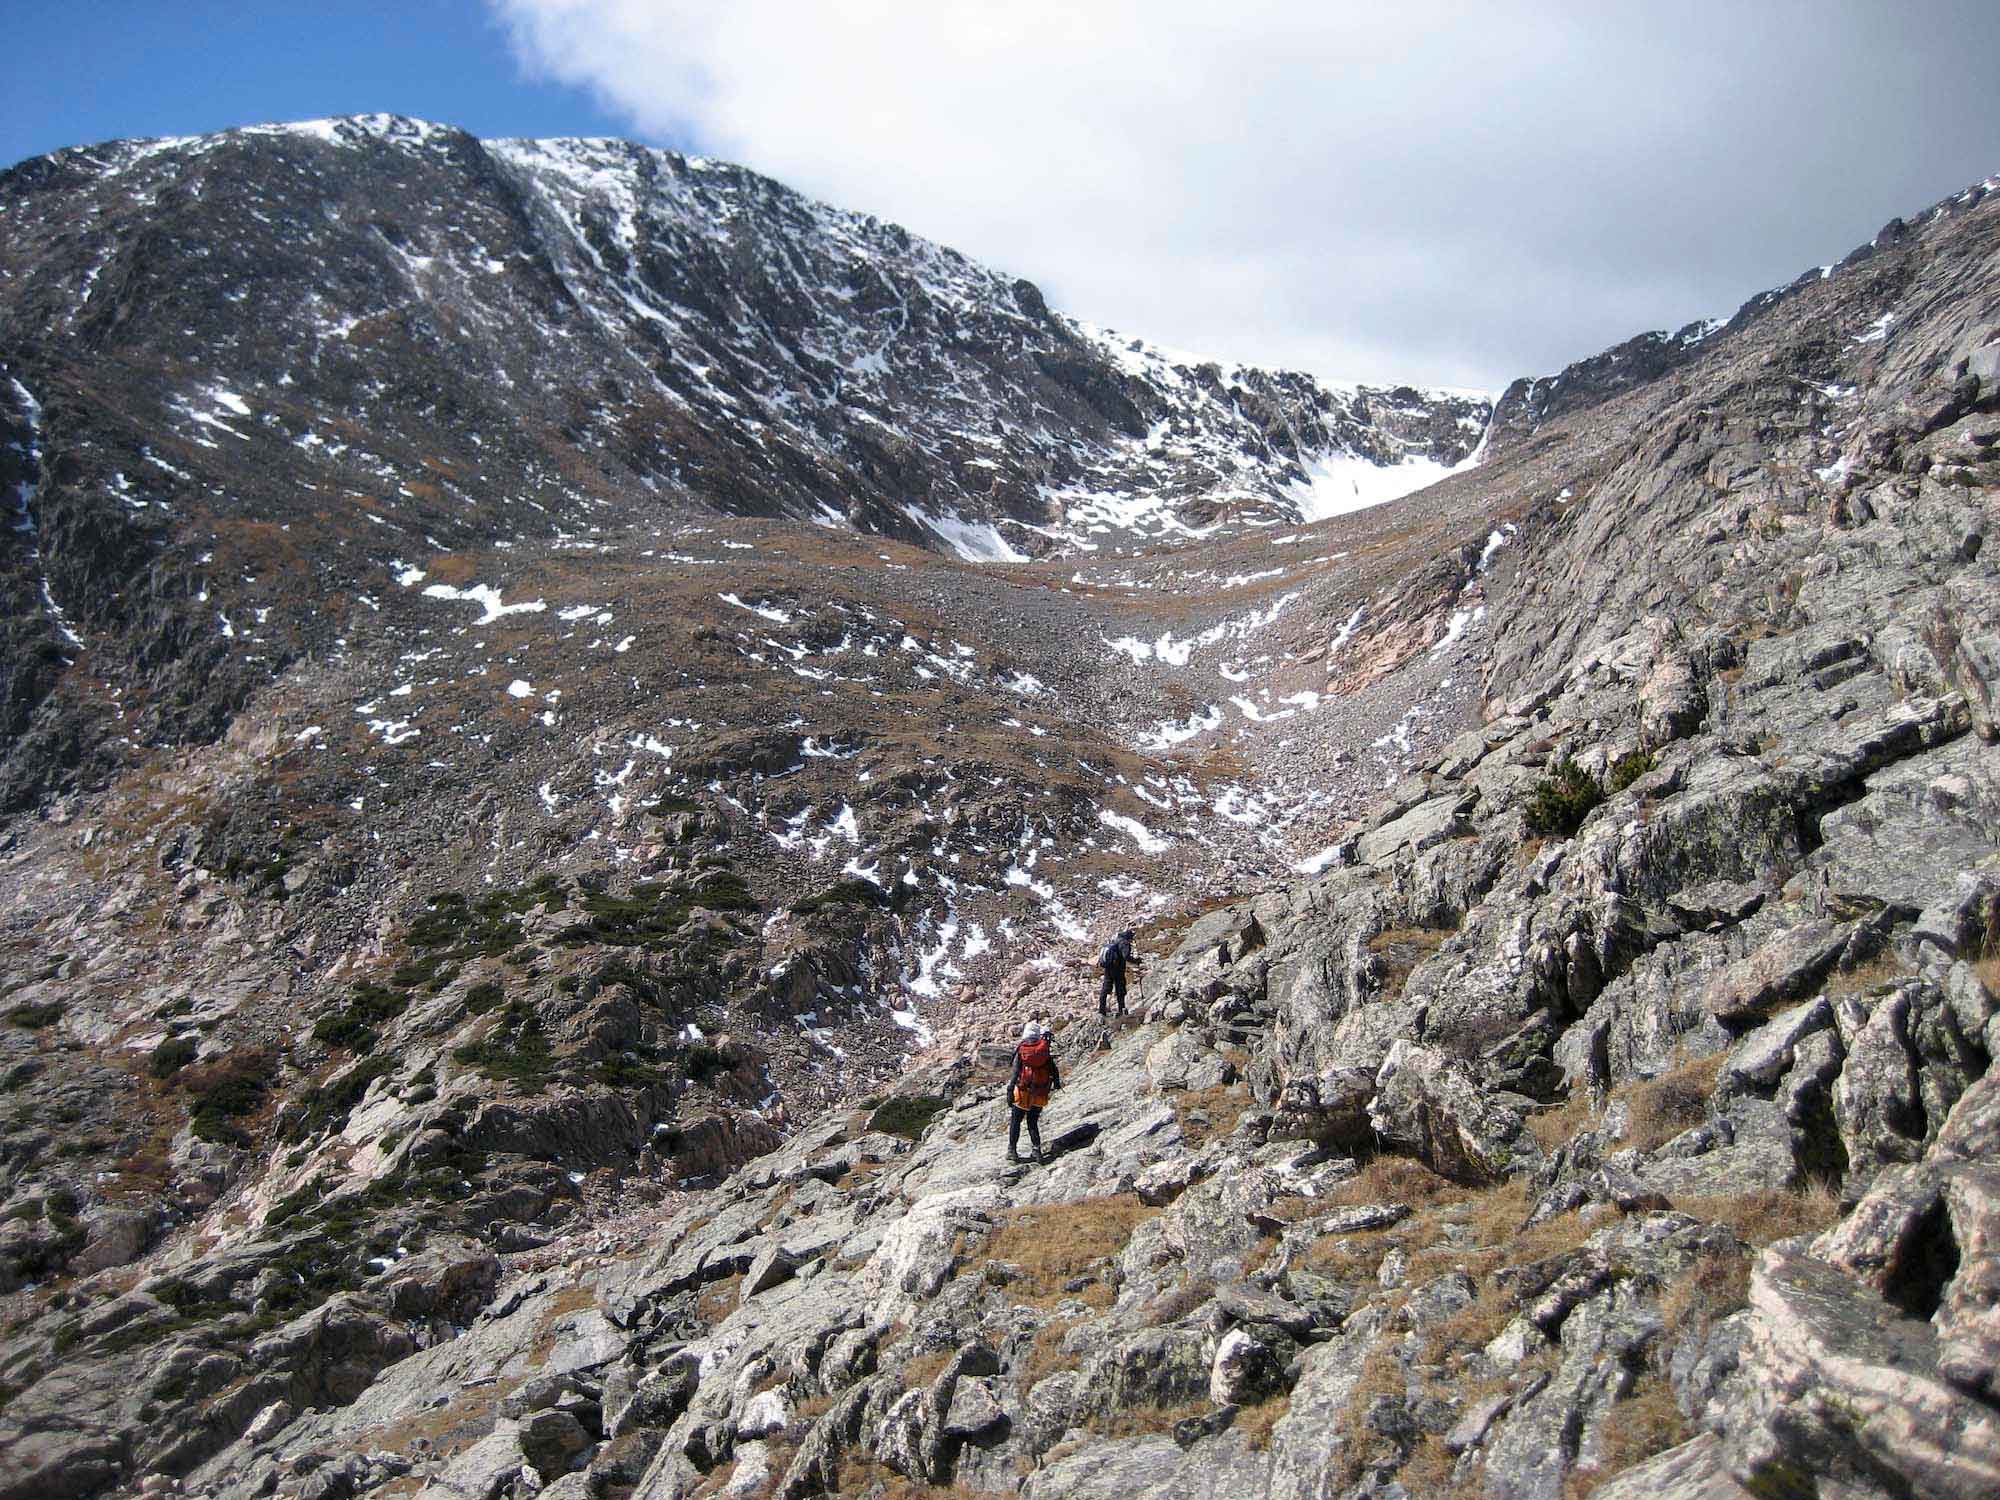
{"x": 1037, "y": 1073}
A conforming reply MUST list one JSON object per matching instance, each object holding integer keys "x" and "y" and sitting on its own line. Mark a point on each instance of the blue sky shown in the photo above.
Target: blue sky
{"x": 96, "y": 70}
{"x": 1434, "y": 192}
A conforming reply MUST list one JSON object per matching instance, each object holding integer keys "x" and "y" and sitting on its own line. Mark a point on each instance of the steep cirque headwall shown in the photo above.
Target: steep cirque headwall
{"x": 261, "y": 367}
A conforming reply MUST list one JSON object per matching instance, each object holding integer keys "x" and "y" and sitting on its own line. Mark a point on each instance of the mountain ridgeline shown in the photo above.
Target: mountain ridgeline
{"x": 560, "y": 704}
{"x": 376, "y": 331}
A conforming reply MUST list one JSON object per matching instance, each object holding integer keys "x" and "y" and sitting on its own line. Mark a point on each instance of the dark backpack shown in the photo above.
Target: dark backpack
{"x": 1112, "y": 959}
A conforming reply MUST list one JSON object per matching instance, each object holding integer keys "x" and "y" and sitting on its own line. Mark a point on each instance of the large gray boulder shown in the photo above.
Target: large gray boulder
{"x": 330, "y": 1355}
{"x": 1843, "y": 1386}
{"x": 1429, "y": 1105}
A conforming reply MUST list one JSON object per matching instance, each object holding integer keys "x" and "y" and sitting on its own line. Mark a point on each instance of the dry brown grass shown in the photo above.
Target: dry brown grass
{"x": 1988, "y": 970}
{"x": 1553, "y": 1128}
{"x": 1053, "y": 1243}
{"x": 1503, "y": 1242}
{"x": 714, "y": 1481}
{"x": 1645, "y": 1423}
{"x": 574, "y": 1299}
{"x": 719, "y": 1299}
{"x": 1775, "y": 1214}
{"x": 1391, "y": 938}
{"x": 857, "y": 1175}
{"x": 1290, "y": 1208}
{"x": 1381, "y": 1375}
{"x": 448, "y": 1429}
{"x": 1884, "y": 968}
{"x": 1256, "y": 1422}
{"x": 1172, "y": 1306}
{"x": 780, "y": 1201}
{"x": 1398, "y": 1179}
{"x": 1224, "y": 1106}
{"x": 1145, "y": 1421}
{"x": 861, "y": 1475}
{"x": 1400, "y": 950}
{"x": 1661, "y": 1108}
{"x": 1712, "y": 1288}
{"x": 1427, "y": 1472}
{"x": 925, "y": 1368}
{"x": 1357, "y": 1256}
{"x": 1350, "y": 1257}
{"x": 1473, "y": 1326}
{"x": 1045, "y": 1354}
{"x": 1164, "y": 933}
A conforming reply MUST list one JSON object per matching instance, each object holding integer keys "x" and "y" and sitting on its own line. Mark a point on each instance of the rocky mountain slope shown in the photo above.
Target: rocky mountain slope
{"x": 264, "y": 366}
{"x": 417, "y": 1069}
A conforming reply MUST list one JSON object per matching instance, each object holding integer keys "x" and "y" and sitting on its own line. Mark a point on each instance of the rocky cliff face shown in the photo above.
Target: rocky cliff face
{"x": 419, "y": 1088}
{"x": 260, "y": 367}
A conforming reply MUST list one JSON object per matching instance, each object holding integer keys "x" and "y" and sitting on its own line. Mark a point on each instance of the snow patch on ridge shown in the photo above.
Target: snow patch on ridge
{"x": 1337, "y": 484}
{"x": 975, "y": 541}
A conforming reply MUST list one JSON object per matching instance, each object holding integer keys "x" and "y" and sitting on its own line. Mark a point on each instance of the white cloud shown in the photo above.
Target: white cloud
{"x": 1440, "y": 192}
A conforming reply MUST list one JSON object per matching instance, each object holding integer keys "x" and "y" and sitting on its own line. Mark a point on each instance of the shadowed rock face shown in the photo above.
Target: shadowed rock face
{"x": 423, "y": 1010}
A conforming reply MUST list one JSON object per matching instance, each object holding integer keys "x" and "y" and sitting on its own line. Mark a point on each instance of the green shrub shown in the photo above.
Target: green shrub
{"x": 633, "y": 1073}
{"x": 223, "y": 1091}
{"x": 343, "y": 1030}
{"x": 310, "y": 1270}
{"x": 230, "y": 1099}
{"x": 653, "y": 913}
{"x": 518, "y": 1053}
{"x": 432, "y": 973}
{"x": 1562, "y": 800}
{"x": 175, "y": 1053}
{"x": 703, "y": 1063}
{"x": 20, "y": 1075}
{"x": 328, "y": 1106}
{"x": 35, "y": 1017}
{"x": 483, "y": 996}
{"x": 355, "y": 1025}
{"x": 853, "y": 892}
{"x": 907, "y": 1115}
{"x": 617, "y": 971}
{"x": 188, "y": 1301}
{"x": 1627, "y": 769}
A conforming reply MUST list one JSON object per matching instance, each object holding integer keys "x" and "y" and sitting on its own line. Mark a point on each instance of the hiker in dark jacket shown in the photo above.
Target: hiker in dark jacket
{"x": 1036, "y": 1076}
{"x": 1116, "y": 955}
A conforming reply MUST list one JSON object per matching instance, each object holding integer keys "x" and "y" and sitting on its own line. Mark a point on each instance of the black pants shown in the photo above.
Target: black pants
{"x": 1114, "y": 983}
{"x": 1034, "y": 1119}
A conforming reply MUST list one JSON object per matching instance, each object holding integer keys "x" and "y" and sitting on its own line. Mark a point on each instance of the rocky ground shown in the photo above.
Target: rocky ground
{"x": 553, "y": 1042}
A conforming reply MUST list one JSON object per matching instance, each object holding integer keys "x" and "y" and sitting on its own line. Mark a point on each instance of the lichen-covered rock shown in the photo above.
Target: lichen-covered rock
{"x": 1160, "y": 1367}
{"x": 1840, "y": 1385}
{"x": 1246, "y": 1368}
{"x": 550, "y": 1439}
{"x": 330, "y": 1355}
{"x": 975, "y": 1409}
{"x": 1428, "y": 1105}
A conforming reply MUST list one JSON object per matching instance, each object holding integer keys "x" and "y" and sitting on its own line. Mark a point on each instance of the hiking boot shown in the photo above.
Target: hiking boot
{"x": 1041, "y": 1156}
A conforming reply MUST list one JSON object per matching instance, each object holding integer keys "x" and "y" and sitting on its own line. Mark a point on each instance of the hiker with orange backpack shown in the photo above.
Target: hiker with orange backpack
{"x": 1035, "y": 1078}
